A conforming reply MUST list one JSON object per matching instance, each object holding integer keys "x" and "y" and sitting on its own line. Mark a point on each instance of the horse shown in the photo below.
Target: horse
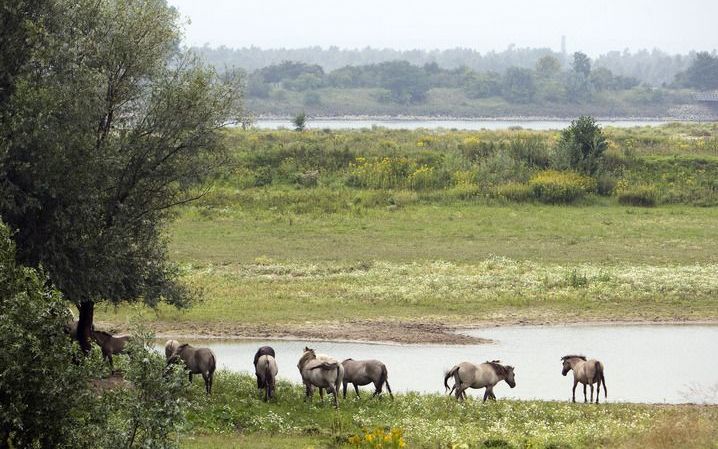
{"x": 488, "y": 374}
{"x": 266, "y": 370}
{"x": 264, "y": 350}
{"x": 198, "y": 361}
{"x": 364, "y": 372}
{"x": 170, "y": 347}
{"x": 110, "y": 344}
{"x": 587, "y": 372}
{"x": 322, "y": 373}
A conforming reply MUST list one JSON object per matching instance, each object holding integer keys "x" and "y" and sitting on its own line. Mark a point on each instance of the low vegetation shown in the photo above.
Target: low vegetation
{"x": 235, "y": 415}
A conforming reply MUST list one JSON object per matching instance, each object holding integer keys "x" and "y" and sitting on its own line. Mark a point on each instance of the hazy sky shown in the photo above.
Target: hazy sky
{"x": 593, "y": 26}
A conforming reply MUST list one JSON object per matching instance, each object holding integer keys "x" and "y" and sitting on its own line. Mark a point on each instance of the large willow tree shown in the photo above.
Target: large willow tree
{"x": 105, "y": 126}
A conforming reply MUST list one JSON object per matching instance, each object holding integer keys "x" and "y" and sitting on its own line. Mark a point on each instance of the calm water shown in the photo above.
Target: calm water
{"x": 447, "y": 124}
{"x": 644, "y": 363}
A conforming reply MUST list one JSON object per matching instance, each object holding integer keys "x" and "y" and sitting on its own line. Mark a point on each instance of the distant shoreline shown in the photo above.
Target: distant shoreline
{"x": 439, "y": 118}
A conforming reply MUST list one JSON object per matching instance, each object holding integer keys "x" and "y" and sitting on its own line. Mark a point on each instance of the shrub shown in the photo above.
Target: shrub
{"x": 515, "y": 191}
{"x": 378, "y": 439}
{"x": 641, "y": 196}
{"x": 581, "y": 146}
{"x": 424, "y": 178}
{"x": 552, "y": 186}
{"x": 605, "y": 184}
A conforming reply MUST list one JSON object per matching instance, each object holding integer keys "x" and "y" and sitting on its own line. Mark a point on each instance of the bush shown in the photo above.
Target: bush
{"x": 641, "y": 196}
{"x": 581, "y": 146}
{"x": 552, "y": 186}
{"x": 515, "y": 191}
{"x": 52, "y": 395}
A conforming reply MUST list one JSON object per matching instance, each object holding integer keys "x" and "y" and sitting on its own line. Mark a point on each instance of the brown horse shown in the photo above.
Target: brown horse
{"x": 588, "y": 372}
{"x": 198, "y": 361}
{"x": 488, "y": 374}
{"x": 364, "y": 372}
{"x": 110, "y": 344}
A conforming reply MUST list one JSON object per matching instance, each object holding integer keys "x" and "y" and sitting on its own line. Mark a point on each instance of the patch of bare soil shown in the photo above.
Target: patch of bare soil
{"x": 402, "y": 332}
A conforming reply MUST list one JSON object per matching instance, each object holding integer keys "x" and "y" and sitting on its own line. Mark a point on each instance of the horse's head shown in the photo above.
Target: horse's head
{"x": 510, "y": 376}
{"x": 307, "y": 355}
{"x": 568, "y": 361}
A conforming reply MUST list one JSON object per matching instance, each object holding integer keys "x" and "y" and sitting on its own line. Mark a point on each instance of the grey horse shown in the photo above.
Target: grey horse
{"x": 486, "y": 375}
{"x": 110, "y": 344}
{"x": 364, "y": 372}
{"x": 322, "y": 373}
{"x": 266, "y": 370}
{"x": 264, "y": 350}
{"x": 198, "y": 361}
{"x": 588, "y": 372}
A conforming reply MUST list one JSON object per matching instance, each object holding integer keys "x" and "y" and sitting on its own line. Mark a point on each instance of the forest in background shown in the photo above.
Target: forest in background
{"x": 515, "y": 82}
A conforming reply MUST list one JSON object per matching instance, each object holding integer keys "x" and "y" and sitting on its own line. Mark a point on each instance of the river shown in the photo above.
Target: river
{"x": 462, "y": 124}
{"x": 643, "y": 363}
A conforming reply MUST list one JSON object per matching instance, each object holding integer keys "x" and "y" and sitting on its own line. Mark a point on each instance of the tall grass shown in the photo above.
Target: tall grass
{"x": 680, "y": 160}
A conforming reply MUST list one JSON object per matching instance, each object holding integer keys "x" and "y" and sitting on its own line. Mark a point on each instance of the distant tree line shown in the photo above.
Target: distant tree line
{"x": 407, "y": 83}
{"x": 654, "y": 68}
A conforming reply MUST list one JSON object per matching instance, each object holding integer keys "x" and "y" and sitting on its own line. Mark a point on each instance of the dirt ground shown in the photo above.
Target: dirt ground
{"x": 380, "y": 331}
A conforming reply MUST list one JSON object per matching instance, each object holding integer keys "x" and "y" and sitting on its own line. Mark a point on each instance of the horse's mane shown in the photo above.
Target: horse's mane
{"x": 573, "y": 356}
{"x": 306, "y": 356}
{"x": 499, "y": 369}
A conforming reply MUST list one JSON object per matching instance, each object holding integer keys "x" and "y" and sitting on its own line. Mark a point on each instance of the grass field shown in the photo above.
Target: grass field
{"x": 235, "y": 417}
{"x": 459, "y": 263}
{"x": 289, "y": 243}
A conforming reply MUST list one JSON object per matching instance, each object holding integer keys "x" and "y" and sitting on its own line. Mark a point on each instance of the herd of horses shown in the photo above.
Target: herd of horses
{"x": 327, "y": 373}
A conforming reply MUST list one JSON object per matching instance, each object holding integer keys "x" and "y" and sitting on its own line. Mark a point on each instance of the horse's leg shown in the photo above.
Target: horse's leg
{"x": 486, "y": 394}
{"x": 490, "y": 390}
{"x": 356, "y": 389}
{"x": 321, "y": 393}
{"x": 206, "y": 382}
{"x": 598, "y": 389}
{"x": 575, "y": 382}
{"x": 591, "y": 385}
{"x": 344, "y": 388}
{"x": 584, "y": 394}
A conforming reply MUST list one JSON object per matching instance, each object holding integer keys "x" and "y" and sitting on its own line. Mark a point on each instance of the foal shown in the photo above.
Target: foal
{"x": 588, "y": 372}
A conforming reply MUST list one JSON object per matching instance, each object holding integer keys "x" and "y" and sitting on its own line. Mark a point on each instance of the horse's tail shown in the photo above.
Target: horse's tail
{"x": 212, "y": 365}
{"x": 449, "y": 374}
{"x": 384, "y": 380}
{"x": 268, "y": 380}
{"x": 601, "y": 379}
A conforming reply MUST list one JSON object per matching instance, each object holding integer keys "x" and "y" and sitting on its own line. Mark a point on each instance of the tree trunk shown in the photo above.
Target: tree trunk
{"x": 84, "y": 325}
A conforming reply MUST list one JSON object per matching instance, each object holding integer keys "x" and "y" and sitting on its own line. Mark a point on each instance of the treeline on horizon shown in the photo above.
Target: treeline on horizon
{"x": 547, "y": 82}
{"x": 654, "y": 68}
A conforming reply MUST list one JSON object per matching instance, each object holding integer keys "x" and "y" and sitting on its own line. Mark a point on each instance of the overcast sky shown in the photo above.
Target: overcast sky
{"x": 592, "y": 26}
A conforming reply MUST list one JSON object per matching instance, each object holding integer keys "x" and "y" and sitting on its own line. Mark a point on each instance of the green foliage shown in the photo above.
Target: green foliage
{"x": 300, "y": 121}
{"x": 148, "y": 409}
{"x": 702, "y": 73}
{"x": 642, "y": 196}
{"x": 552, "y": 186}
{"x": 581, "y": 64}
{"x": 131, "y": 127}
{"x": 53, "y": 396}
{"x": 518, "y": 85}
{"x": 581, "y": 146}
{"x": 41, "y": 385}
{"x": 514, "y": 191}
